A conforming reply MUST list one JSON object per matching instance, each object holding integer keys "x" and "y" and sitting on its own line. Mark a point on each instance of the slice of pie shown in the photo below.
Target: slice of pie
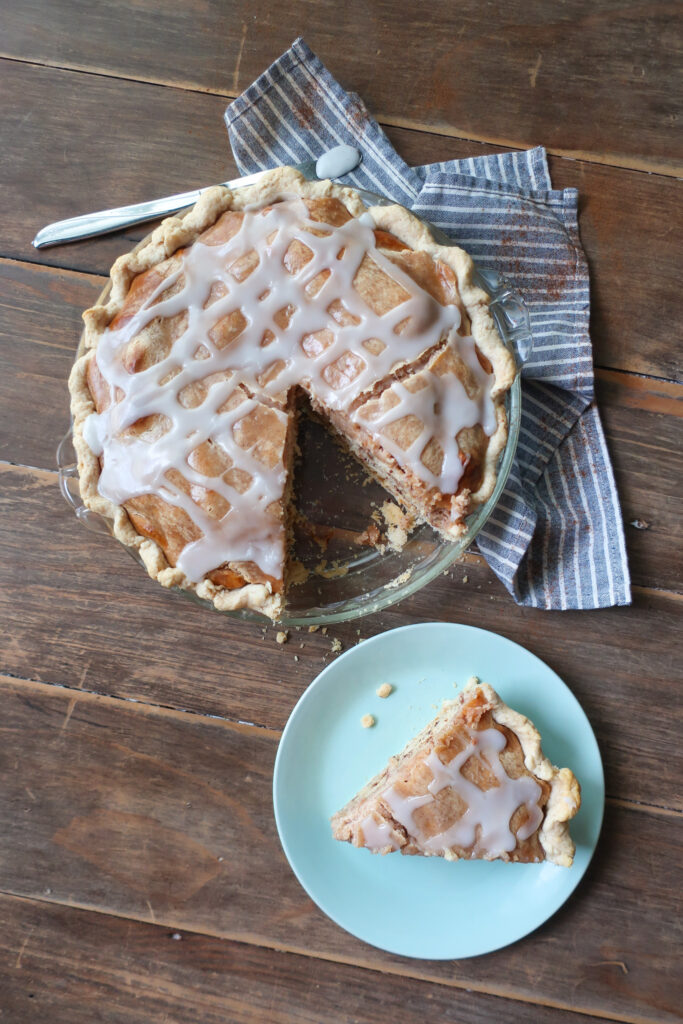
{"x": 474, "y": 784}
{"x": 185, "y": 400}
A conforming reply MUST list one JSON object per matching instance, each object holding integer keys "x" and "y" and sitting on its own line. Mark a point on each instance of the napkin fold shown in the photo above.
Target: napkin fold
{"x": 556, "y": 537}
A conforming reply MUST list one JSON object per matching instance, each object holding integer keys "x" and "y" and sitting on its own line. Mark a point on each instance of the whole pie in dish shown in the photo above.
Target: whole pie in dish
{"x": 473, "y": 784}
{"x": 185, "y": 400}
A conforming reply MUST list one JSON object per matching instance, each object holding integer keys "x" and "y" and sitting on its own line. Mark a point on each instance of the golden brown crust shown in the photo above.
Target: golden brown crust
{"x": 565, "y": 793}
{"x": 178, "y": 232}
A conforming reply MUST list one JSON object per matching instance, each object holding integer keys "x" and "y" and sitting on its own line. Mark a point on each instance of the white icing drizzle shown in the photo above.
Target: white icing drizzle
{"x": 337, "y": 161}
{"x": 377, "y": 835}
{"x": 489, "y": 810}
{"x": 445, "y": 408}
{"x": 91, "y": 434}
{"x": 403, "y": 807}
{"x": 336, "y": 370}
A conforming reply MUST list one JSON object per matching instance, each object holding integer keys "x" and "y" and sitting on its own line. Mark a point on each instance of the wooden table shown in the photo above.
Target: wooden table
{"x": 141, "y": 875}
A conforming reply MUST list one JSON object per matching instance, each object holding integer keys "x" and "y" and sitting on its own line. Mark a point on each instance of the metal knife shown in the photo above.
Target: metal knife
{"x": 90, "y": 224}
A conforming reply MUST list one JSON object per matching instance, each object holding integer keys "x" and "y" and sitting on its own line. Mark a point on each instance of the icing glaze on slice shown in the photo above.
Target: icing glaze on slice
{"x": 488, "y": 812}
{"x": 378, "y": 834}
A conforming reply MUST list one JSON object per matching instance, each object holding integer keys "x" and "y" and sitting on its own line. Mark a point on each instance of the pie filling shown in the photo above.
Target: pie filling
{"x": 194, "y": 379}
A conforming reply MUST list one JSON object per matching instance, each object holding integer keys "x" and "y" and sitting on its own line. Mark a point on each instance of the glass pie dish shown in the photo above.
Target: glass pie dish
{"x": 340, "y": 575}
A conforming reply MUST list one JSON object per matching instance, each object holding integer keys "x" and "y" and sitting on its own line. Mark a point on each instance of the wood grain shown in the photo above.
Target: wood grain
{"x": 142, "y": 874}
{"x": 519, "y": 76}
{"x": 72, "y": 967}
{"x": 175, "y": 827}
{"x": 80, "y": 613}
{"x": 628, "y": 220}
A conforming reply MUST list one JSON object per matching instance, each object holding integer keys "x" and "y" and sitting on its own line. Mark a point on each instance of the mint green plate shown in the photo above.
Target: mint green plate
{"x": 416, "y": 906}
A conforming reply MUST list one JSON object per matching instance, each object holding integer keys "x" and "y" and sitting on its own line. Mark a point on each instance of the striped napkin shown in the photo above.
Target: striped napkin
{"x": 556, "y": 537}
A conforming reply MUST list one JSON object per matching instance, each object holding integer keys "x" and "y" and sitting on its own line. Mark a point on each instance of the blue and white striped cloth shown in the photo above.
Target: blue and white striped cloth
{"x": 556, "y": 537}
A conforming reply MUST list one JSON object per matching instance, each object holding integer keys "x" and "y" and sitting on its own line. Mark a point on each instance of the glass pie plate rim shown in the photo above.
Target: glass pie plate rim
{"x": 512, "y": 319}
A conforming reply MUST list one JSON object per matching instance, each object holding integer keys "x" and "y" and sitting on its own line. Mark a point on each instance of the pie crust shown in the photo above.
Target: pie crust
{"x": 473, "y": 784}
{"x": 464, "y": 368}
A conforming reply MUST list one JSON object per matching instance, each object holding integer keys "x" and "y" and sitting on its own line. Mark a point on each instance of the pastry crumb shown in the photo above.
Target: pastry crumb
{"x": 472, "y": 681}
{"x": 367, "y": 721}
{"x": 399, "y": 525}
{"x": 399, "y": 581}
{"x": 324, "y": 631}
{"x": 313, "y": 629}
{"x": 298, "y": 573}
{"x": 369, "y": 538}
{"x": 296, "y": 657}
{"x": 384, "y": 690}
{"x": 282, "y": 637}
{"x": 465, "y": 579}
{"x": 336, "y": 645}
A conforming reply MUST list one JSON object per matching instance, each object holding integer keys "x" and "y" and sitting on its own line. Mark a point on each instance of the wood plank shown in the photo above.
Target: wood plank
{"x": 640, "y": 432}
{"x": 76, "y": 967}
{"x": 129, "y": 810}
{"x": 40, "y": 324}
{"x": 81, "y": 614}
{"x": 40, "y": 321}
{"x": 628, "y": 219}
{"x": 590, "y": 81}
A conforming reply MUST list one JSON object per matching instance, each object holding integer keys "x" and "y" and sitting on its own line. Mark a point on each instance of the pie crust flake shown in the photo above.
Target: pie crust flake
{"x": 474, "y": 784}
{"x": 185, "y": 400}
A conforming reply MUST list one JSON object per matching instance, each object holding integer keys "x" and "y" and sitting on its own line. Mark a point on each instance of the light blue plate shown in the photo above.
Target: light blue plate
{"x": 416, "y": 906}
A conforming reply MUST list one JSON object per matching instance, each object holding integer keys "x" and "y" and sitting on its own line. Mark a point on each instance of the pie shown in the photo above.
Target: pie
{"x": 474, "y": 784}
{"x": 215, "y": 331}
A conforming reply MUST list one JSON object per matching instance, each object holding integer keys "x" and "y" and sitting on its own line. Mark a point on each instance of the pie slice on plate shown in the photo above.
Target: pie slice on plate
{"x": 474, "y": 784}
{"x": 185, "y": 399}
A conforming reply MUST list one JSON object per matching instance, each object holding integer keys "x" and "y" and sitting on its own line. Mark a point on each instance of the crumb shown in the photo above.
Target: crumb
{"x": 313, "y": 629}
{"x": 465, "y": 579}
{"x": 357, "y": 632}
{"x": 301, "y": 646}
{"x": 324, "y": 631}
{"x": 640, "y": 524}
{"x": 336, "y": 646}
{"x": 399, "y": 524}
{"x": 369, "y": 538}
{"x": 282, "y": 637}
{"x": 330, "y": 571}
{"x": 403, "y": 578}
{"x": 296, "y": 657}
{"x": 367, "y": 721}
{"x": 384, "y": 690}
{"x": 472, "y": 681}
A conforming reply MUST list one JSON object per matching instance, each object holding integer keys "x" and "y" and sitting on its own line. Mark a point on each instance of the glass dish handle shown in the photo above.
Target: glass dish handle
{"x": 68, "y": 485}
{"x": 511, "y": 314}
